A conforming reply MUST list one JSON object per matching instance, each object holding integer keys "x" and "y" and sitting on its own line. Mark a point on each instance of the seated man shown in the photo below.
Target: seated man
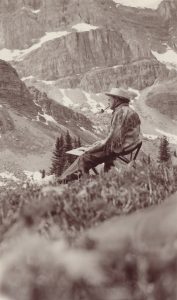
{"x": 124, "y": 135}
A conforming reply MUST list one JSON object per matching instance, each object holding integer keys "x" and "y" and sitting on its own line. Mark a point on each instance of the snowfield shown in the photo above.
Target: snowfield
{"x": 9, "y": 55}
{"x": 81, "y": 27}
{"x": 152, "y": 4}
{"x": 94, "y": 105}
{"x": 18, "y": 55}
{"x": 66, "y": 100}
{"x": 169, "y": 58}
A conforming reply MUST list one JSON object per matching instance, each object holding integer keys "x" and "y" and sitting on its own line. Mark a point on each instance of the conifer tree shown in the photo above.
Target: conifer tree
{"x": 58, "y": 157}
{"x": 164, "y": 150}
{"x": 67, "y": 146}
{"x": 79, "y": 142}
{"x": 76, "y": 143}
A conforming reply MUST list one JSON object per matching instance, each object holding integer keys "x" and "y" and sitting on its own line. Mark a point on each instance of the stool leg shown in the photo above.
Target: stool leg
{"x": 108, "y": 165}
{"x": 95, "y": 171}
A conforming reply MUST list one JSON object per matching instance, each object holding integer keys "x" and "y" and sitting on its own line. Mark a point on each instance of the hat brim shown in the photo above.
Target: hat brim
{"x": 120, "y": 97}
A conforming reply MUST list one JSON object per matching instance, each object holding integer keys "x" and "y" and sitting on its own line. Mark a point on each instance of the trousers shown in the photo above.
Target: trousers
{"x": 87, "y": 161}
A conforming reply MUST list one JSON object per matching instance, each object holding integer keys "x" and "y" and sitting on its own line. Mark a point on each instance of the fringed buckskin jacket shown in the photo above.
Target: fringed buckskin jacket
{"x": 125, "y": 130}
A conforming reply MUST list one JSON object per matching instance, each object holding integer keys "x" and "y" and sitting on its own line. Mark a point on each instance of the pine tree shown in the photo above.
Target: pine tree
{"x": 164, "y": 150}
{"x": 58, "y": 159}
{"x": 67, "y": 146}
{"x": 79, "y": 144}
{"x": 76, "y": 143}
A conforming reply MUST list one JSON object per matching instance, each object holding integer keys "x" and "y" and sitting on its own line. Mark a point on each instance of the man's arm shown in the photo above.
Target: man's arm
{"x": 98, "y": 146}
{"x": 116, "y": 125}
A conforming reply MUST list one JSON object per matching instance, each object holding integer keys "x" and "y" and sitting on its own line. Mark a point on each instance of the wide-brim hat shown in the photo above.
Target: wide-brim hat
{"x": 121, "y": 93}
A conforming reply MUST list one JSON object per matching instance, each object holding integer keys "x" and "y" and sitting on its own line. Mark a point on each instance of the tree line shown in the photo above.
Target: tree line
{"x": 60, "y": 159}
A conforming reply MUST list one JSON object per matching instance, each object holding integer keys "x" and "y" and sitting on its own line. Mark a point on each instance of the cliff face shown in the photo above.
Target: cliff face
{"x": 60, "y": 113}
{"x": 30, "y": 123}
{"x": 93, "y": 60}
{"x": 13, "y": 92}
{"x": 75, "y": 54}
{"x": 124, "y": 38}
{"x": 139, "y": 75}
{"x": 168, "y": 10}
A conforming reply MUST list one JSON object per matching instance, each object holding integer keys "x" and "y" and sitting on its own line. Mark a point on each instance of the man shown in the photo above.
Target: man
{"x": 124, "y": 135}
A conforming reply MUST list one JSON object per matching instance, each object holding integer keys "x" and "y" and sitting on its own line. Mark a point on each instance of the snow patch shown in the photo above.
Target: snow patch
{"x": 169, "y": 58}
{"x": 36, "y": 178}
{"x": 8, "y": 175}
{"x": 150, "y": 136}
{"x": 80, "y": 27}
{"x": 35, "y": 11}
{"x": 18, "y": 55}
{"x": 94, "y": 105}
{"x": 8, "y": 55}
{"x": 152, "y": 4}
{"x": 48, "y": 82}
{"x": 49, "y": 118}
{"x": 83, "y": 128}
{"x": 66, "y": 100}
{"x": 171, "y": 137}
{"x": 36, "y": 104}
{"x": 26, "y": 78}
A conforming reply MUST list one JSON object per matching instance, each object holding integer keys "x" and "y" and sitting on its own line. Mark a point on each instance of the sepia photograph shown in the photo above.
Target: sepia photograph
{"x": 88, "y": 149}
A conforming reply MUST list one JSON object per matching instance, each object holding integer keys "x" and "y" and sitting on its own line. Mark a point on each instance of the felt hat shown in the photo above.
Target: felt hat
{"x": 120, "y": 93}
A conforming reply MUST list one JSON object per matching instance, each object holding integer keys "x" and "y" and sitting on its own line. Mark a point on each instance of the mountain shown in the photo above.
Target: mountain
{"x": 86, "y": 44}
{"x": 68, "y": 52}
{"x": 30, "y": 123}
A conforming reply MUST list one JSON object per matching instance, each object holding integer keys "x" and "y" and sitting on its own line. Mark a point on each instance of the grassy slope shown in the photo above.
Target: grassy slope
{"x": 46, "y": 252}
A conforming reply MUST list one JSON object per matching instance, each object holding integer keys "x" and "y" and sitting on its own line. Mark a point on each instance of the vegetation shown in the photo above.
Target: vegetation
{"x": 61, "y": 160}
{"x": 43, "y": 254}
{"x": 164, "y": 150}
{"x": 87, "y": 202}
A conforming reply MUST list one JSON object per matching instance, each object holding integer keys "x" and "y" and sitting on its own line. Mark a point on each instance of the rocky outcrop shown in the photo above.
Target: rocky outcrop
{"x": 76, "y": 54}
{"x": 23, "y": 21}
{"x": 13, "y": 92}
{"x": 19, "y": 24}
{"x": 124, "y": 39}
{"x": 168, "y": 9}
{"x": 62, "y": 114}
{"x": 6, "y": 122}
{"x": 138, "y": 74}
{"x": 94, "y": 61}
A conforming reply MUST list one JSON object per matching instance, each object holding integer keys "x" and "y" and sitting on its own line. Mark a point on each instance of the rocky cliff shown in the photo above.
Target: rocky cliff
{"x": 60, "y": 113}
{"x": 123, "y": 37}
{"x": 30, "y": 123}
{"x": 13, "y": 92}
